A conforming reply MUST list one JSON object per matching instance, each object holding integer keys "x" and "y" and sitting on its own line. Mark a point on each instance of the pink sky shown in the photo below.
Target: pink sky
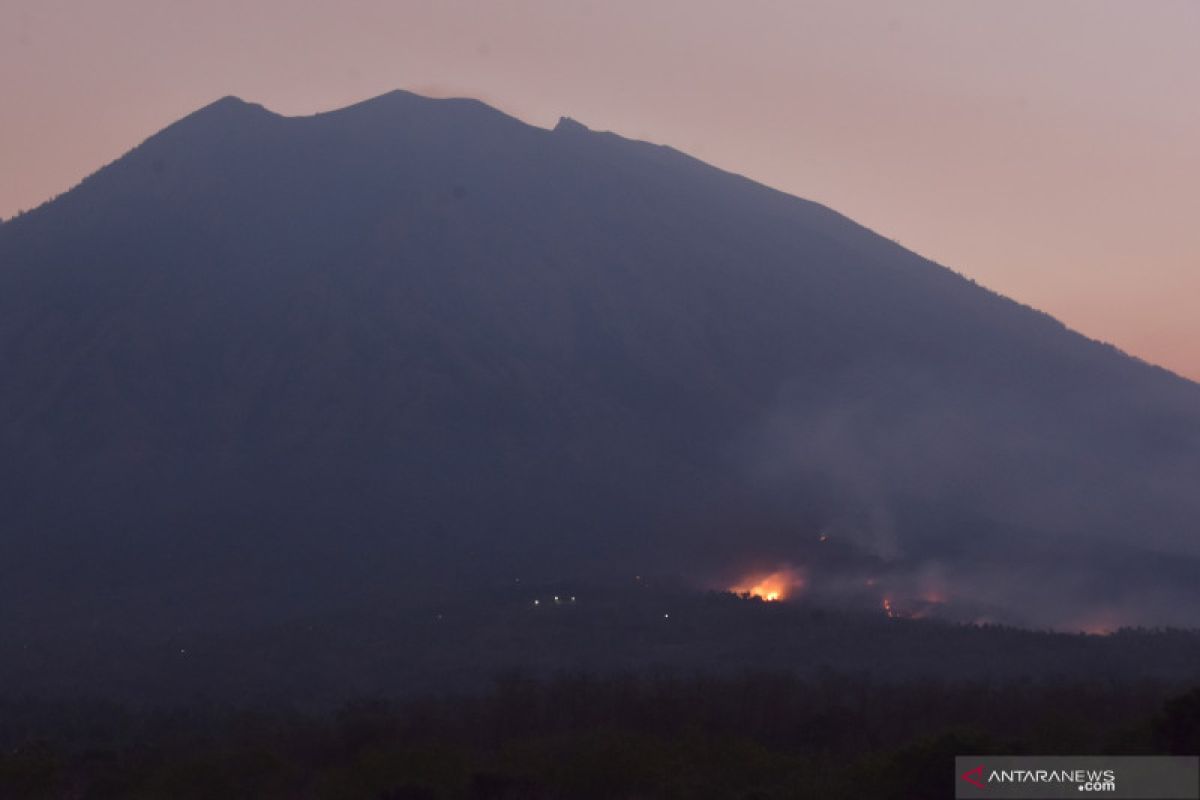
{"x": 1050, "y": 150}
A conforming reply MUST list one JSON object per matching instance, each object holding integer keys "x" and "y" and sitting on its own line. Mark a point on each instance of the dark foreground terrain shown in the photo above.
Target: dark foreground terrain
{"x": 644, "y": 691}
{"x": 396, "y": 646}
{"x": 760, "y": 735}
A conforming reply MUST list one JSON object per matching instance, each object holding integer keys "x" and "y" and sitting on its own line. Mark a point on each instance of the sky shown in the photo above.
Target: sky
{"x": 1048, "y": 149}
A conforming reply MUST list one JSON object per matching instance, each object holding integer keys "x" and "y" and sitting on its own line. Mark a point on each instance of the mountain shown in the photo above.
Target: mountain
{"x": 265, "y": 364}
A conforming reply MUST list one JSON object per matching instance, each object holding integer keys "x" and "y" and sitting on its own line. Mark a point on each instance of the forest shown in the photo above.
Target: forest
{"x": 646, "y": 691}
{"x": 758, "y": 735}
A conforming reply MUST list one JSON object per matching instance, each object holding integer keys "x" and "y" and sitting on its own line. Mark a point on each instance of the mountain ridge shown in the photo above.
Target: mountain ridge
{"x": 225, "y": 107}
{"x": 418, "y": 340}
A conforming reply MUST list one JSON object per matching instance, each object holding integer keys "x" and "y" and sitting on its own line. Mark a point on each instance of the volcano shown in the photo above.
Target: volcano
{"x": 265, "y": 363}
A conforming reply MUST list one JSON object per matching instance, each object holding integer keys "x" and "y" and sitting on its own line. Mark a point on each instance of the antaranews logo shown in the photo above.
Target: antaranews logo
{"x": 1084, "y": 780}
{"x": 975, "y": 777}
{"x": 1165, "y": 777}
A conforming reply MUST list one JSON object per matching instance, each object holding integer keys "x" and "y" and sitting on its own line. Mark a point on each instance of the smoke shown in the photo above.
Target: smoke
{"x": 982, "y": 507}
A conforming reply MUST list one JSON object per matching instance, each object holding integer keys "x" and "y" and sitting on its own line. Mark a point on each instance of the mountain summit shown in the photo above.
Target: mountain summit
{"x": 262, "y": 363}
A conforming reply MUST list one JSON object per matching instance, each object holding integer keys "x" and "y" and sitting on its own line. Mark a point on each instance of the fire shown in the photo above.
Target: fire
{"x": 774, "y": 587}
{"x": 1100, "y": 623}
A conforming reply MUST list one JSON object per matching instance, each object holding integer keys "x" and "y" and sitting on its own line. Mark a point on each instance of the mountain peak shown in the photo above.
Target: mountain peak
{"x": 395, "y": 97}
{"x": 230, "y": 105}
{"x": 228, "y": 101}
{"x": 223, "y": 112}
{"x": 568, "y": 125}
{"x": 402, "y": 109}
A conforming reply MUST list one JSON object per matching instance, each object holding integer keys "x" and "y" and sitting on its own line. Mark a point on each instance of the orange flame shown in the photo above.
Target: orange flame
{"x": 776, "y": 586}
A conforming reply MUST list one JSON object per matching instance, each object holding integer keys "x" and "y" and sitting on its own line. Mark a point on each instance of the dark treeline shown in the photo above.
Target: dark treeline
{"x": 644, "y": 691}
{"x": 762, "y": 735}
{"x": 459, "y": 641}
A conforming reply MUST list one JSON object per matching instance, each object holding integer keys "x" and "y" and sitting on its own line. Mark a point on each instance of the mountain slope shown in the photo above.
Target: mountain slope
{"x": 262, "y": 362}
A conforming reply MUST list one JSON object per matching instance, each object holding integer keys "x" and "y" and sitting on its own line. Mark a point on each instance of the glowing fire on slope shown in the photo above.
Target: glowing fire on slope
{"x": 778, "y": 585}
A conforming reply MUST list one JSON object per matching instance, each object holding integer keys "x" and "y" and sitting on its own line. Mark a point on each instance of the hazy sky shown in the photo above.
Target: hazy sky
{"x": 1048, "y": 149}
